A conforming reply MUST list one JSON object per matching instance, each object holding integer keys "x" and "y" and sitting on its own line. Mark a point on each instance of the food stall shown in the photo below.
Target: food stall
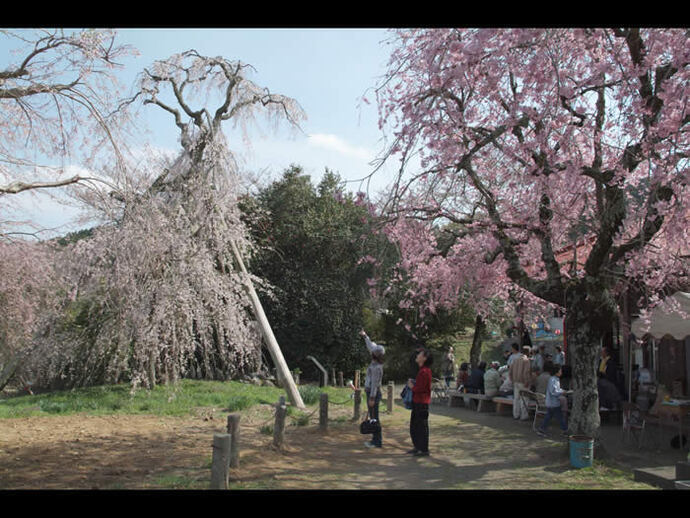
{"x": 666, "y": 338}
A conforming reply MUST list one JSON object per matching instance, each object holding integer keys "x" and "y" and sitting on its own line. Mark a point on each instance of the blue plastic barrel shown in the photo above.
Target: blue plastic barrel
{"x": 581, "y": 451}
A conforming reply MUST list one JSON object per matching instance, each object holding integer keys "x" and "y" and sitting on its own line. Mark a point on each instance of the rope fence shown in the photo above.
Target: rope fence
{"x": 226, "y": 446}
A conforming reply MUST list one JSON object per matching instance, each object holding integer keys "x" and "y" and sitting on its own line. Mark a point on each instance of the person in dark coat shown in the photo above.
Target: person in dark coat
{"x": 609, "y": 396}
{"x": 476, "y": 383}
{"x": 419, "y": 419}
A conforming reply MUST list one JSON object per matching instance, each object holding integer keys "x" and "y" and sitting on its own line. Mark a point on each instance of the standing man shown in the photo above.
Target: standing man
{"x": 448, "y": 366}
{"x": 559, "y": 358}
{"x": 538, "y": 359}
{"x": 372, "y": 386}
{"x": 521, "y": 375}
{"x": 515, "y": 349}
{"x": 607, "y": 368}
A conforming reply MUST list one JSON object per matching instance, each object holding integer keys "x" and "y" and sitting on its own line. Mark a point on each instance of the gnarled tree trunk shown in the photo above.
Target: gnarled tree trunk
{"x": 8, "y": 371}
{"x": 588, "y": 316}
{"x": 476, "y": 349}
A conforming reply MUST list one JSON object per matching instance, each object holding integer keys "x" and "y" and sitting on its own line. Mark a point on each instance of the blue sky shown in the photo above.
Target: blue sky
{"x": 325, "y": 70}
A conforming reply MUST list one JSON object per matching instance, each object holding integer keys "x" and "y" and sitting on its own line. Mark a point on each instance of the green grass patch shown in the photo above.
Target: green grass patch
{"x": 302, "y": 420}
{"x": 310, "y": 394}
{"x": 599, "y": 476}
{"x": 170, "y": 400}
{"x": 178, "y": 482}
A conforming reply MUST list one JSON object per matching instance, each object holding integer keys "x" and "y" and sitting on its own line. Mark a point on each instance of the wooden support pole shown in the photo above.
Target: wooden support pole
{"x": 282, "y": 371}
{"x": 333, "y": 377}
{"x": 234, "y": 431}
{"x": 391, "y": 387}
{"x": 358, "y": 404}
{"x": 356, "y": 379}
{"x": 323, "y": 411}
{"x": 220, "y": 461}
{"x": 279, "y": 426}
{"x": 341, "y": 383}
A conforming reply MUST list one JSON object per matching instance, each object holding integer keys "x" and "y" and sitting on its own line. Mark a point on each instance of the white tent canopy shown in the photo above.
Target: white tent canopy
{"x": 671, "y": 317}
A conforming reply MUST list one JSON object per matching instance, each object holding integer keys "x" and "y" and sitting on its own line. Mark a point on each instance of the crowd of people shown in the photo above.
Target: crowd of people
{"x": 533, "y": 369}
{"x": 526, "y": 368}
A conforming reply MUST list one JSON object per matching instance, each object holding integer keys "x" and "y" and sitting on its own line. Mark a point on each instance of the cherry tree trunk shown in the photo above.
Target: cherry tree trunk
{"x": 585, "y": 321}
{"x": 476, "y": 349}
{"x": 8, "y": 371}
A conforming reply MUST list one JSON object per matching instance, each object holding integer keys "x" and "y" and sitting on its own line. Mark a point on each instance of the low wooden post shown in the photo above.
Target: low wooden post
{"x": 391, "y": 387}
{"x": 356, "y": 379}
{"x": 279, "y": 426}
{"x": 333, "y": 382}
{"x": 234, "y": 431}
{"x": 323, "y": 411}
{"x": 341, "y": 383}
{"x": 220, "y": 461}
{"x": 358, "y": 404}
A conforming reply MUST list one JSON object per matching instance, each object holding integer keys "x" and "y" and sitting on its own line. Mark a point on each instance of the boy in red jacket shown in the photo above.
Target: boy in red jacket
{"x": 421, "y": 390}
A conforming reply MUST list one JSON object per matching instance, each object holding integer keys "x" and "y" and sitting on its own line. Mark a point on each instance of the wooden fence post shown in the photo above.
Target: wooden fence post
{"x": 358, "y": 404}
{"x": 323, "y": 411}
{"x": 391, "y": 388}
{"x": 279, "y": 426}
{"x": 234, "y": 431}
{"x": 220, "y": 461}
{"x": 341, "y": 383}
{"x": 356, "y": 379}
{"x": 333, "y": 378}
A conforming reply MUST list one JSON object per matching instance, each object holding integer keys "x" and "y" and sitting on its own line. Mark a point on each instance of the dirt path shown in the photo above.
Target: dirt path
{"x": 129, "y": 452}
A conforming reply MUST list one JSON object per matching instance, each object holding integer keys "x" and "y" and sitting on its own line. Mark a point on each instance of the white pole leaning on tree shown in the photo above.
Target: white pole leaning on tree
{"x": 284, "y": 376}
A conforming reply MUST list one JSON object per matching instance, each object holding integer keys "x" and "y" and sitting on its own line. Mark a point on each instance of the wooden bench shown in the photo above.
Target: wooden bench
{"x": 503, "y": 404}
{"x": 482, "y": 403}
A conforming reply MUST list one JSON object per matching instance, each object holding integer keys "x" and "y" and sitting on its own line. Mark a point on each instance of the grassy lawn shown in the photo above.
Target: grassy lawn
{"x": 470, "y": 451}
{"x": 174, "y": 400}
{"x": 599, "y": 476}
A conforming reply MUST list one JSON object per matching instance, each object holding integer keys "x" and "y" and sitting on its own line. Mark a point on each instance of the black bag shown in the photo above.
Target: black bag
{"x": 369, "y": 426}
{"x": 406, "y": 396}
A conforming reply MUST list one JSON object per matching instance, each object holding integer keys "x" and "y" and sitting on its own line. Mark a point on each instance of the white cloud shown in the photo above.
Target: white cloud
{"x": 334, "y": 143}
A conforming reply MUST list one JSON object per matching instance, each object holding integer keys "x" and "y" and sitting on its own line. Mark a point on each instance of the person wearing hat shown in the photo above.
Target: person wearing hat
{"x": 492, "y": 380}
{"x": 372, "y": 386}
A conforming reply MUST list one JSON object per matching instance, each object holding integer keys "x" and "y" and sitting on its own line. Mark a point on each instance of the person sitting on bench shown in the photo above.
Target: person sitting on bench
{"x": 506, "y": 388}
{"x": 463, "y": 375}
{"x": 542, "y": 380}
{"x": 476, "y": 383}
{"x": 492, "y": 380}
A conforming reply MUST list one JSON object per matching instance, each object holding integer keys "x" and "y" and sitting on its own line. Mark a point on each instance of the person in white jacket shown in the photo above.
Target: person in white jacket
{"x": 372, "y": 385}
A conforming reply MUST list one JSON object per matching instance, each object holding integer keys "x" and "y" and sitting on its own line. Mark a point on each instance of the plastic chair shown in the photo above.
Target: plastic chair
{"x": 539, "y": 404}
{"x": 633, "y": 421}
{"x": 439, "y": 390}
